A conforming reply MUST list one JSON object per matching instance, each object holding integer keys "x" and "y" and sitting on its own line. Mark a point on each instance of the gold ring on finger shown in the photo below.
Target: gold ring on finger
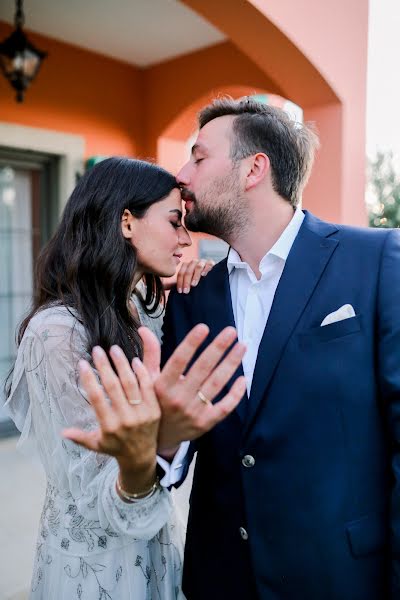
{"x": 203, "y": 398}
{"x": 135, "y": 401}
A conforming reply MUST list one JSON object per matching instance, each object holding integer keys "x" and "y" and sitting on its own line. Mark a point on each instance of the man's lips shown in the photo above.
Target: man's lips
{"x": 187, "y": 196}
{"x": 188, "y": 204}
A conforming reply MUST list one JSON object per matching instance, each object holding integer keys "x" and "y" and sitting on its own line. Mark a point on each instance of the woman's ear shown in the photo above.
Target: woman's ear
{"x": 127, "y": 224}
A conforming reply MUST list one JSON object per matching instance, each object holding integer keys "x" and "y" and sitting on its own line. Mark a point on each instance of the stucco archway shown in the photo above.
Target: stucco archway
{"x": 279, "y": 49}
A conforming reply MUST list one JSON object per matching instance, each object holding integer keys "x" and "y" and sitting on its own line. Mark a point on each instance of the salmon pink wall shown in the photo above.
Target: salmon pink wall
{"x": 315, "y": 54}
{"x": 174, "y": 86}
{"x": 311, "y": 52}
{"x": 334, "y": 34}
{"x": 83, "y": 93}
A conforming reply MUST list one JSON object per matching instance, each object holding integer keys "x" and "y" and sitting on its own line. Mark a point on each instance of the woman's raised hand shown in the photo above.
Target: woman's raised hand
{"x": 189, "y": 274}
{"x": 128, "y": 425}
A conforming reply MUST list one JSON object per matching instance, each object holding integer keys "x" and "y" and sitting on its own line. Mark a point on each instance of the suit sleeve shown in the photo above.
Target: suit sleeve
{"x": 389, "y": 380}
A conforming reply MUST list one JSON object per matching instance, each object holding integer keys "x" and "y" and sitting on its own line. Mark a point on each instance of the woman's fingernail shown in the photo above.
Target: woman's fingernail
{"x": 186, "y": 290}
{"x": 136, "y": 361}
{"x": 83, "y": 365}
{"x": 179, "y": 290}
{"x": 195, "y": 282}
{"x": 97, "y": 352}
{"x": 116, "y": 350}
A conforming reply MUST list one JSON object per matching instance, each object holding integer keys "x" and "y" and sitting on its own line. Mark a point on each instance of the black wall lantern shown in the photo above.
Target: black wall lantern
{"x": 19, "y": 59}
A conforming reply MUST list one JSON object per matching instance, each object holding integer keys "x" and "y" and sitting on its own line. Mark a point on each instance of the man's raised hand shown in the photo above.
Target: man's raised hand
{"x": 185, "y": 396}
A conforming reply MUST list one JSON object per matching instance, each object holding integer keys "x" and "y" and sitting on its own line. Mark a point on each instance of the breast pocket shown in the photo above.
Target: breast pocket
{"x": 327, "y": 333}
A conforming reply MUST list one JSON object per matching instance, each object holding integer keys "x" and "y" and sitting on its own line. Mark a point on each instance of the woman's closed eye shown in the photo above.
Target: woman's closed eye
{"x": 176, "y": 224}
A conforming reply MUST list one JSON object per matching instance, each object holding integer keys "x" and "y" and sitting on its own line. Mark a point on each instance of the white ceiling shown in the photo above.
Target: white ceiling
{"x": 140, "y": 32}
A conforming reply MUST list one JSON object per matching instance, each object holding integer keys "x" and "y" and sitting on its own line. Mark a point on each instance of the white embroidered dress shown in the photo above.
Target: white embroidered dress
{"x": 91, "y": 545}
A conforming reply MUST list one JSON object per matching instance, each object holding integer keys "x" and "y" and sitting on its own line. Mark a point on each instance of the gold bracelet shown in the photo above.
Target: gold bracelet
{"x": 131, "y": 498}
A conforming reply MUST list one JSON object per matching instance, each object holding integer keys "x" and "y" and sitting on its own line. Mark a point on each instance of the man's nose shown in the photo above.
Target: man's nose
{"x": 183, "y": 175}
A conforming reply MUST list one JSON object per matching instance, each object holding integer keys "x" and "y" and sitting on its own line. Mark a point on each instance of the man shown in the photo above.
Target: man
{"x": 296, "y": 494}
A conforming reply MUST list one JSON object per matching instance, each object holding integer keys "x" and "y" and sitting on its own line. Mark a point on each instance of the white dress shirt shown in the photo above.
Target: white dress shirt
{"x": 252, "y": 298}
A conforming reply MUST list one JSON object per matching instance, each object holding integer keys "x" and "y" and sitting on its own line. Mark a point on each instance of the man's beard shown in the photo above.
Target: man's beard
{"x": 220, "y": 211}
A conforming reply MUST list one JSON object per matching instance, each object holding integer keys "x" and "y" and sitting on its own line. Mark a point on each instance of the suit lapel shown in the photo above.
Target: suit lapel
{"x": 218, "y": 313}
{"x": 305, "y": 264}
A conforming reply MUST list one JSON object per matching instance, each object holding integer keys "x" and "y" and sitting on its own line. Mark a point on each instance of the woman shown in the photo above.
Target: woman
{"x": 107, "y": 529}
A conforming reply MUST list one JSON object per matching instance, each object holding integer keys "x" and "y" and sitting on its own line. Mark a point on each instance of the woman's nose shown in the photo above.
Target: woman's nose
{"x": 184, "y": 237}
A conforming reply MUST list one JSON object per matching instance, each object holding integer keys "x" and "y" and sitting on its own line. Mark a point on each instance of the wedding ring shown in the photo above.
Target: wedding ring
{"x": 135, "y": 401}
{"x": 203, "y": 398}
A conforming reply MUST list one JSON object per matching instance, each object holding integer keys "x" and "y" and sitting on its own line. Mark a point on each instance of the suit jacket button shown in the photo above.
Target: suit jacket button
{"x": 243, "y": 533}
{"x": 248, "y": 460}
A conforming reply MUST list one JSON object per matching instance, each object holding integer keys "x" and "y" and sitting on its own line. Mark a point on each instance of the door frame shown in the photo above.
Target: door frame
{"x": 24, "y": 143}
{"x": 43, "y": 169}
{"x": 45, "y": 183}
{"x": 69, "y": 148}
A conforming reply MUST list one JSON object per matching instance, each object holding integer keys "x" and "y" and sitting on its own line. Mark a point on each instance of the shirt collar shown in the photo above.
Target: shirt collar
{"x": 281, "y": 248}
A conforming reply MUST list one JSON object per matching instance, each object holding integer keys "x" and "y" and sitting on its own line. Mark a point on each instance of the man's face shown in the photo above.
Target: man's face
{"x": 210, "y": 181}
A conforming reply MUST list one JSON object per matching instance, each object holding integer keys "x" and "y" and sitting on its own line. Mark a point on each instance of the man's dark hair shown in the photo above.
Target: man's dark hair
{"x": 258, "y": 127}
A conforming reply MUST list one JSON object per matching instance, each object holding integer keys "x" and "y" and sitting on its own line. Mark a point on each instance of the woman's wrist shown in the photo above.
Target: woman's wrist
{"x": 132, "y": 497}
{"x": 136, "y": 481}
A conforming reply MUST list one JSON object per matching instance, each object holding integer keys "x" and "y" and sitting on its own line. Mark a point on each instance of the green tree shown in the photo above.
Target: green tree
{"x": 383, "y": 197}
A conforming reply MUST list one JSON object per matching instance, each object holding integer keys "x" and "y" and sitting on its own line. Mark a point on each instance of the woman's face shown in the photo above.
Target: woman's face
{"x": 159, "y": 236}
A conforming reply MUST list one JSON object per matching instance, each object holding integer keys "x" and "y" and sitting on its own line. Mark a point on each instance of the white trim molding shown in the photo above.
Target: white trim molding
{"x": 69, "y": 148}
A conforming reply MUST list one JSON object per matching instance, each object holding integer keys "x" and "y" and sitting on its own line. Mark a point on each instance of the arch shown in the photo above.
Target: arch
{"x": 258, "y": 30}
{"x": 296, "y": 44}
{"x": 277, "y": 47}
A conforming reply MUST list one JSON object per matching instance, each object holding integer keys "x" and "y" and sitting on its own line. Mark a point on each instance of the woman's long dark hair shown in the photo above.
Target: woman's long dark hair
{"x": 89, "y": 266}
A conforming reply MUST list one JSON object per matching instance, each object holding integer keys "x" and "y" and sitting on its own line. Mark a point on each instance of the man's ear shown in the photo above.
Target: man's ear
{"x": 127, "y": 224}
{"x": 258, "y": 169}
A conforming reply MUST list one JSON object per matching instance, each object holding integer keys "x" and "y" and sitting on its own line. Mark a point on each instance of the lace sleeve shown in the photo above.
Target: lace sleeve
{"x": 46, "y": 397}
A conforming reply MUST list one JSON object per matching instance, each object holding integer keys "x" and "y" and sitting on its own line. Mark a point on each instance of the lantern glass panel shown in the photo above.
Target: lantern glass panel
{"x": 30, "y": 62}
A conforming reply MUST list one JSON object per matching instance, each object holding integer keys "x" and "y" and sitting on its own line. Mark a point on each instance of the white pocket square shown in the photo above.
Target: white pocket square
{"x": 344, "y": 312}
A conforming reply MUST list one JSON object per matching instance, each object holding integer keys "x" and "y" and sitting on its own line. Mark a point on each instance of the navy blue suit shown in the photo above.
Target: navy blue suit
{"x": 321, "y": 504}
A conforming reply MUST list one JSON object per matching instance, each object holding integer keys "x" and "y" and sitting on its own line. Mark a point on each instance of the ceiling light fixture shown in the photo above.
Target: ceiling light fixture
{"x": 19, "y": 59}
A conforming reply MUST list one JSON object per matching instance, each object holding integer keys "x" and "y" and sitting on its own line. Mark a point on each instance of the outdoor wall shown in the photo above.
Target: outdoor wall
{"x": 334, "y": 35}
{"x": 312, "y": 53}
{"x": 177, "y": 88}
{"x": 83, "y": 93}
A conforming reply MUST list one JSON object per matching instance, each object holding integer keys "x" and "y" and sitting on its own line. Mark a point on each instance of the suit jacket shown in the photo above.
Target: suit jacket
{"x": 317, "y": 514}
